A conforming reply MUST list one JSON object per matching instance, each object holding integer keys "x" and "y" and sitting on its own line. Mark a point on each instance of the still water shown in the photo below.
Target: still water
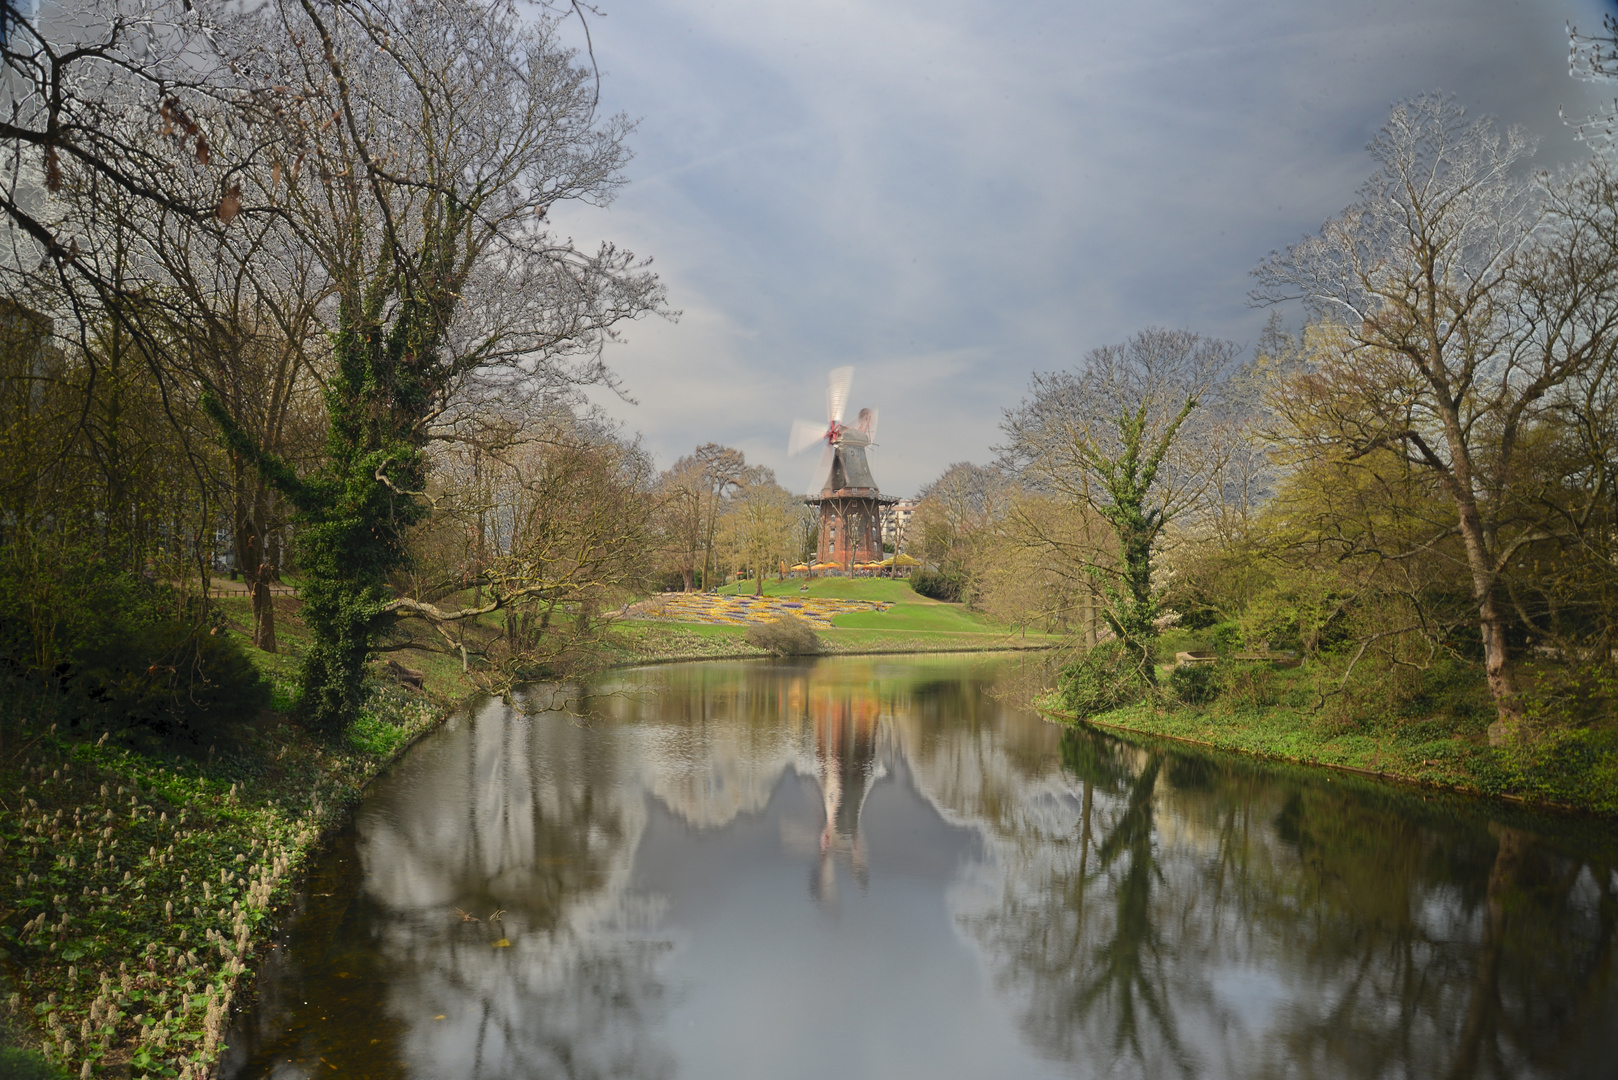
{"x": 876, "y": 867}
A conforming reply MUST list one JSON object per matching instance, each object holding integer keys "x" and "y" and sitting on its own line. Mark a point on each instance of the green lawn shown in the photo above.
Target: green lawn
{"x": 911, "y": 612}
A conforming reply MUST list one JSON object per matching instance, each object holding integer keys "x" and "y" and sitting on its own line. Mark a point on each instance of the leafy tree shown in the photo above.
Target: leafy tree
{"x": 766, "y": 520}
{"x": 1110, "y": 436}
{"x": 1462, "y": 300}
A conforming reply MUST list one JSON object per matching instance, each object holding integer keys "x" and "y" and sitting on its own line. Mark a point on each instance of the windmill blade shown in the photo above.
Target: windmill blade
{"x": 867, "y": 424}
{"x": 822, "y": 471}
{"x": 837, "y": 393}
{"x": 805, "y": 433}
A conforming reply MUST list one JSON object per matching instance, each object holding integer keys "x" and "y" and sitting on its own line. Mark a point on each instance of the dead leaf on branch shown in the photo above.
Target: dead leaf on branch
{"x": 230, "y": 205}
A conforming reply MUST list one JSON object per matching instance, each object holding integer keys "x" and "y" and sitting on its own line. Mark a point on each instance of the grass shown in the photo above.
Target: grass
{"x": 906, "y": 623}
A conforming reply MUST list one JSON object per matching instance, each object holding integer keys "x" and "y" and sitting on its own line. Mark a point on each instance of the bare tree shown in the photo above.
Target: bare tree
{"x": 543, "y": 519}
{"x": 414, "y": 148}
{"x": 722, "y": 468}
{"x": 680, "y": 500}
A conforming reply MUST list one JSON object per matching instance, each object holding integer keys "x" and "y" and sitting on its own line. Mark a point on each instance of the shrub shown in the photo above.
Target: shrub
{"x": 1576, "y": 766}
{"x": 1106, "y": 676}
{"x": 939, "y": 585}
{"x": 787, "y": 636}
{"x": 1247, "y": 686}
{"x": 112, "y": 652}
{"x": 1194, "y": 684}
{"x": 1226, "y": 637}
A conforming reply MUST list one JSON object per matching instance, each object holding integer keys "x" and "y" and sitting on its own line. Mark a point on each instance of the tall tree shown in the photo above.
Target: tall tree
{"x": 679, "y": 505}
{"x": 418, "y": 147}
{"x": 766, "y": 519}
{"x": 722, "y": 468}
{"x": 1462, "y": 297}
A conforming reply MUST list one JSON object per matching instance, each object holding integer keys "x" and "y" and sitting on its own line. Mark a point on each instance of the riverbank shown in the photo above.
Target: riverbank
{"x": 141, "y": 888}
{"x": 1572, "y": 771}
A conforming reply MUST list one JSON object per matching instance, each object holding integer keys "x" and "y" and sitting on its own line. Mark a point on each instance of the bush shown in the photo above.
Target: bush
{"x": 787, "y": 636}
{"x": 938, "y": 585}
{"x": 1194, "y": 684}
{"x": 1578, "y": 767}
{"x": 1246, "y": 686}
{"x": 112, "y": 652}
{"x": 1105, "y": 677}
{"x": 1225, "y": 637}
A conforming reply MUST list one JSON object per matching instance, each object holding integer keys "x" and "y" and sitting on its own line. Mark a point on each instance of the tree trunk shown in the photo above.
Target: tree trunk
{"x": 251, "y": 557}
{"x": 1480, "y": 561}
{"x": 263, "y": 610}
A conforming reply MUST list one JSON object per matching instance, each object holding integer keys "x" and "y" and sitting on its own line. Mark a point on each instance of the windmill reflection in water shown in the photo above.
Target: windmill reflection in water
{"x": 848, "y": 733}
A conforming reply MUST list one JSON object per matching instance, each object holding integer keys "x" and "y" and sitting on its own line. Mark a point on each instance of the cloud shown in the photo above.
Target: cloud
{"x": 950, "y": 196}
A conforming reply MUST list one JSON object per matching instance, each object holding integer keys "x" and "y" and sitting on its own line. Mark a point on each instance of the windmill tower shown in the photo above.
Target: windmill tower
{"x": 850, "y": 504}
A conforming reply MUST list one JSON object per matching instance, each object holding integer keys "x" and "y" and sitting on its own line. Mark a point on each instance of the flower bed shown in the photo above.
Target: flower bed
{"x": 714, "y": 610}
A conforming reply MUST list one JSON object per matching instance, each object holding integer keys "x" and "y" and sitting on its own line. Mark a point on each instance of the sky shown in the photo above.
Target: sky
{"x": 951, "y": 196}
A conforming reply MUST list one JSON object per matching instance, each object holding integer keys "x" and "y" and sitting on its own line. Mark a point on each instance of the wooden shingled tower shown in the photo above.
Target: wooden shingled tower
{"x": 847, "y": 497}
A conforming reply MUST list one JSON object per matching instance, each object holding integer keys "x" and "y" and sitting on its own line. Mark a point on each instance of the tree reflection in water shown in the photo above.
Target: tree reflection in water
{"x": 528, "y": 818}
{"x": 1142, "y": 911}
{"x": 1265, "y": 924}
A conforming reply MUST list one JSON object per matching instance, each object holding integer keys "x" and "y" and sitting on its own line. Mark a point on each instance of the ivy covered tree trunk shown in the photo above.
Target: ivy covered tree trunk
{"x": 357, "y": 509}
{"x": 1132, "y": 607}
{"x": 1109, "y": 437}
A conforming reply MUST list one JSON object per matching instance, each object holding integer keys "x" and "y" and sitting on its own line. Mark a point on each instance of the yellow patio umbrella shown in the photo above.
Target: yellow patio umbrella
{"x": 905, "y": 560}
{"x": 801, "y": 566}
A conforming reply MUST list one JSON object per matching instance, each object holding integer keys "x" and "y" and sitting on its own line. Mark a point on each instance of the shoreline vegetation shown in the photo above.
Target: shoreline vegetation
{"x": 145, "y": 882}
{"x": 1432, "y": 736}
{"x": 143, "y": 887}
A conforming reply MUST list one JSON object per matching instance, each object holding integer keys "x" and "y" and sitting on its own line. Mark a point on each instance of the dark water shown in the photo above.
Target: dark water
{"x": 876, "y": 868}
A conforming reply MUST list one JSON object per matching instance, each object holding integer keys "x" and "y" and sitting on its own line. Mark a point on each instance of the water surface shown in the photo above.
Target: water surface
{"x": 877, "y": 867}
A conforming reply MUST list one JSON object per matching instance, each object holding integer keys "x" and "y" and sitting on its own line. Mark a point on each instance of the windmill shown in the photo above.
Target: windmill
{"x": 844, "y": 490}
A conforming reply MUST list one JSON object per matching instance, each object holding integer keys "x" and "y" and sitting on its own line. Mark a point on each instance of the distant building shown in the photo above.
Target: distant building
{"x": 896, "y": 522}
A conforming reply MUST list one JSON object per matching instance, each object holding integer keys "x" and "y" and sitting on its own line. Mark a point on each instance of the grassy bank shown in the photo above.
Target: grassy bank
{"x": 136, "y": 889}
{"x": 1433, "y": 733}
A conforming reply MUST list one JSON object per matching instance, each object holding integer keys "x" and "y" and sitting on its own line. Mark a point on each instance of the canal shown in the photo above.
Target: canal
{"x": 882, "y": 867}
